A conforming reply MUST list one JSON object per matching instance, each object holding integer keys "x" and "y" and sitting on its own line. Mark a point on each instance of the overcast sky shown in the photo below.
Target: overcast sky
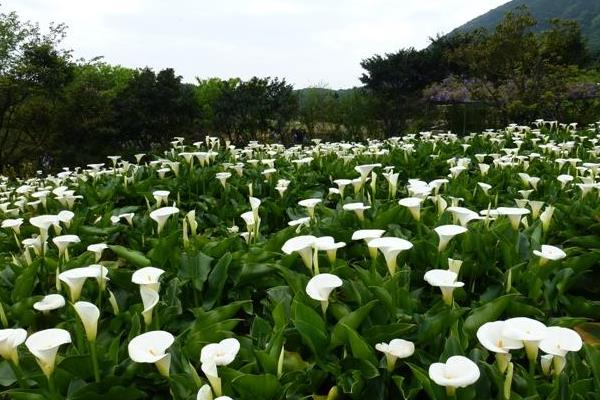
{"x": 307, "y": 42}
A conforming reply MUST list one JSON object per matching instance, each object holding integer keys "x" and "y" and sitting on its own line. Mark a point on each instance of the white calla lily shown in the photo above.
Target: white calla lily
{"x": 50, "y": 302}
{"x": 302, "y": 245}
{"x": 88, "y": 314}
{"x": 390, "y": 247}
{"x": 549, "y": 253}
{"x": 446, "y": 233}
{"x": 161, "y": 215}
{"x": 396, "y": 348}
{"x": 456, "y": 372}
{"x": 445, "y": 280}
{"x": 151, "y": 347}
{"x": 10, "y": 339}
{"x": 44, "y": 346}
{"x": 320, "y": 286}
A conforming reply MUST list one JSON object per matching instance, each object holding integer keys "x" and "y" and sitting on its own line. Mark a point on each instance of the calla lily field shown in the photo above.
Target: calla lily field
{"x": 427, "y": 266}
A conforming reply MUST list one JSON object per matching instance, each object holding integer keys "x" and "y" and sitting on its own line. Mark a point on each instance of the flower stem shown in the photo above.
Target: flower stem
{"x": 94, "y": 356}
{"x": 52, "y": 386}
{"x": 19, "y": 374}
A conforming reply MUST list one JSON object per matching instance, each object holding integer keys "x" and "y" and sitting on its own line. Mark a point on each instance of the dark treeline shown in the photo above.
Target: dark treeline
{"x": 57, "y": 111}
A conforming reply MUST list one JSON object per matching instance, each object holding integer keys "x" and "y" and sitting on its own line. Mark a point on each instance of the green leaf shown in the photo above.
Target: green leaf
{"x": 423, "y": 379}
{"x": 352, "y": 321}
{"x": 131, "y": 256}
{"x": 257, "y": 386}
{"x": 195, "y": 268}
{"x": 311, "y": 327}
{"x": 217, "y": 280}
{"x": 7, "y": 376}
{"x": 360, "y": 348}
{"x": 25, "y": 282}
{"x": 488, "y": 312}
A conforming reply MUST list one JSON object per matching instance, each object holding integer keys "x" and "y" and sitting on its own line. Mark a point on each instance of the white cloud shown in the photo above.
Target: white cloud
{"x": 305, "y": 41}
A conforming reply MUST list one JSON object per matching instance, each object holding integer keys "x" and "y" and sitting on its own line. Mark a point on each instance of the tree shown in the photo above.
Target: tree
{"x": 518, "y": 73}
{"x": 86, "y": 116}
{"x": 33, "y": 72}
{"x": 396, "y": 81}
{"x": 152, "y": 108}
{"x": 317, "y": 107}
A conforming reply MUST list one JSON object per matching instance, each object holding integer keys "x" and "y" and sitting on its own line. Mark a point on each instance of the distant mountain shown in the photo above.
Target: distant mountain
{"x": 586, "y": 12}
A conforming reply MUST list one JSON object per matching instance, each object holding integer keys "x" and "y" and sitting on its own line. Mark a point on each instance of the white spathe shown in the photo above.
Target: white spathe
{"x": 151, "y": 347}
{"x": 446, "y": 233}
{"x": 456, "y": 372}
{"x": 88, "y": 314}
{"x": 302, "y": 245}
{"x": 10, "y": 339}
{"x": 390, "y": 247}
{"x": 44, "y": 346}
{"x": 161, "y": 215}
{"x": 396, "y": 348}
{"x": 50, "y": 302}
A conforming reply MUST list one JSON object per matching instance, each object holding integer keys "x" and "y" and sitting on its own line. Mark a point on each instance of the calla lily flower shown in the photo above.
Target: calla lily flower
{"x": 454, "y": 265}
{"x": 536, "y": 207}
{"x": 396, "y": 348}
{"x": 310, "y": 205}
{"x": 74, "y": 279}
{"x": 446, "y": 233}
{"x": 463, "y": 215}
{"x": 490, "y": 336}
{"x": 150, "y": 299}
{"x": 204, "y": 393}
{"x": 320, "y": 286}
{"x": 222, "y": 177}
{"x": 97, "y": 249}
{"x": 328, "y": 244}
{"x": 148, "y": 276}
{"x": 549, "y": 253}
{"x": 222, "y": 353}
{"x": 485, "y": 187}
{"x": 514, "y": 214}
{"x": 250, "y": 221}
{"x": 358, "y": 208}
{"x": 445, "y": 280}
{"x": 414, "y": 205}
{"x": 10, "y": 339}
{"x": 529, "y": 331}
{"x": 161, "y": 216}
{"x": 365, "y": 170}
{"x": 13, "y": 224}
{"x": 558, "y": 342}
{"x": 43, "y": 223}
{"x": 342, "y": 183}
{"x": 368, "y": 235}
{"x": 390, "y": 247}
{"x": 392, "y": 179}
{"x": 44, "y": 346}
{"x": 62, "y": 243}
{"x": 546, "y": 217}
{"x": 127, "y": 217}
{"x": 50, "y": 302}
{"x": 218, "y": 354}
{"x": 151, "y": 347}
{"x": 456, "y": 372}
{"x": 302, "y": 245}
{"x": 88, "y": 314}
{"x": 161, "y": 197}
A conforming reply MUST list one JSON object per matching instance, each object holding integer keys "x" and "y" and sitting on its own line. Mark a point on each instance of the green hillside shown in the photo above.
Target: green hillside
{"x": 586, "y": 12}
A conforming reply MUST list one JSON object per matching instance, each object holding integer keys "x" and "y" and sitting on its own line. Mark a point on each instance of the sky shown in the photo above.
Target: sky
{"x": 307, "y": 42}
